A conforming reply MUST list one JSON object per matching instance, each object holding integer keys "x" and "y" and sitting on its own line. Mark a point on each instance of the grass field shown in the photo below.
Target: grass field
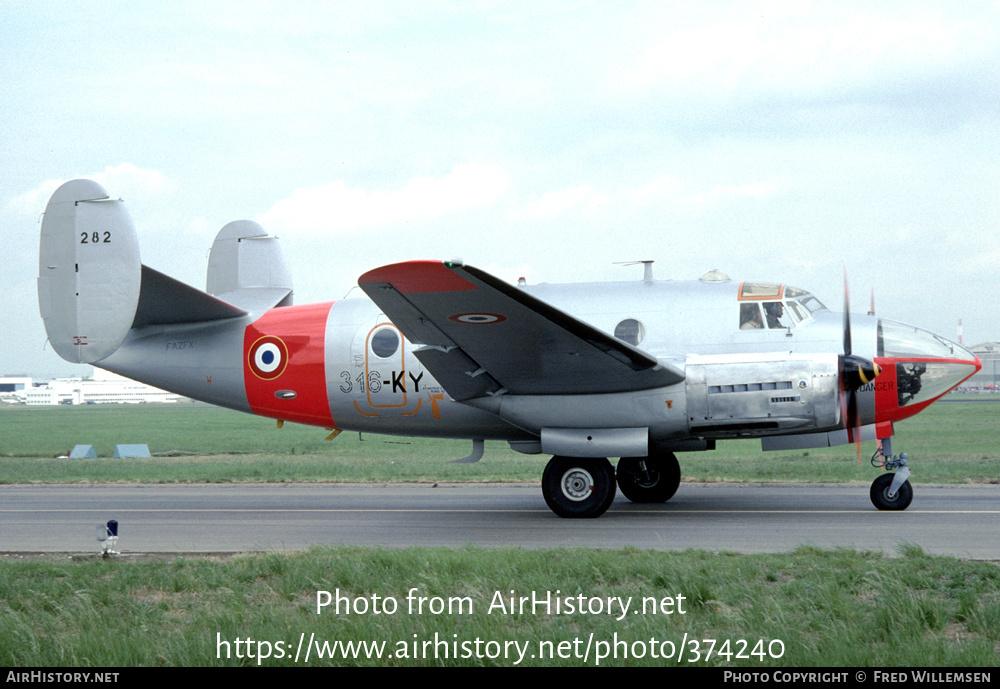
{"x": 808, "y": 608}
{"x": 948, "y": 443}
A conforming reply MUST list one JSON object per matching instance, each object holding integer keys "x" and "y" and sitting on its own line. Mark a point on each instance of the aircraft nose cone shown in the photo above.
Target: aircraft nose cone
{"x": 927, "y": 365}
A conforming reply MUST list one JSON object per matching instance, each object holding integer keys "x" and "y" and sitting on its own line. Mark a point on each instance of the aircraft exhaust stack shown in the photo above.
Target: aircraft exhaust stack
{"x": 89, "y": 273}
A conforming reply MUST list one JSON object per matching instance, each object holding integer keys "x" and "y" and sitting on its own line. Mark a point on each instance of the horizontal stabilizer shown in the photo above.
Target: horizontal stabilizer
{"x": 166, "y": 301}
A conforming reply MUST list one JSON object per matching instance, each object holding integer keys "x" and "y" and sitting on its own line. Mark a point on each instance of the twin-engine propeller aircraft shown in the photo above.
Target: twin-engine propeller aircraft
{"x": 636, "y": 370}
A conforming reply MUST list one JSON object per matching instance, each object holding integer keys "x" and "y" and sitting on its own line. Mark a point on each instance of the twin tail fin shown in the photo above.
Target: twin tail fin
{"x": 93, "y": 288}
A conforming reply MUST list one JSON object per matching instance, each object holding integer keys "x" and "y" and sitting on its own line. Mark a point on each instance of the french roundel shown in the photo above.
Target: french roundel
{"x": 268, "y": 357}
{"x": 477, "y": 318}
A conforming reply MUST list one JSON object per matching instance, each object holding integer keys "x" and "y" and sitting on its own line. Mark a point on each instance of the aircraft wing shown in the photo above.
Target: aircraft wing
{"x": 482, "y": 336}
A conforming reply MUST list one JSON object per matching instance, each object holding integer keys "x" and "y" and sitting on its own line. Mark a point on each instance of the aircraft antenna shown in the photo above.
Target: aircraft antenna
{"x": 647, "y": 268}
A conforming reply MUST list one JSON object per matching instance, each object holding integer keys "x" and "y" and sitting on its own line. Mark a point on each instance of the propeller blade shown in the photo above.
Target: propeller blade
{"x": 847, "y": 317}
{"x": 856, "y": 424}
{"x": 844, "y": 407}
{"x": 849, "y": 413}
{"x": 855, "y": 372}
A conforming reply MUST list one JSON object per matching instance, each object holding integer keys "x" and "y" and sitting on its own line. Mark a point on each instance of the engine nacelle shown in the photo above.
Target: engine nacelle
{"x": 751, "y": 395}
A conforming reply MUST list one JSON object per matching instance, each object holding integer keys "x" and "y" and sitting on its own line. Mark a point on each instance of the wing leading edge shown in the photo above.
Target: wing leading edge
{"x": 482, "y": 336}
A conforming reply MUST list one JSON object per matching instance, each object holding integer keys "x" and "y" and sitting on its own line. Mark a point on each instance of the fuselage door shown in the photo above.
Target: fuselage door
{"x": 388, "y": 377}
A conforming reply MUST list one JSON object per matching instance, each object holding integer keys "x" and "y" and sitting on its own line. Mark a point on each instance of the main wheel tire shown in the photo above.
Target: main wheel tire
{"x": 649, "y": 479}
{"x": 578, "y": 488}
{"x": 880, "y": 494}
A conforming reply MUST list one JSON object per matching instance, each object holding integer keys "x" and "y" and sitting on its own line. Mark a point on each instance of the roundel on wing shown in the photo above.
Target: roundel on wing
{"x": 477, "y": 318}
{"x": 268, "y": 357}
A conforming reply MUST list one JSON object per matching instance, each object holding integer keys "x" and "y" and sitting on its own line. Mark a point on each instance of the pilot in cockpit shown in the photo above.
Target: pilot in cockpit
{"x": 750, "y": 317}
{"x": 774, "y": 311}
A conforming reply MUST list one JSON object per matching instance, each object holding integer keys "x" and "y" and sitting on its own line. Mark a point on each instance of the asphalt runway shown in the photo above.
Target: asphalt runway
{"x": 961, "y": 521}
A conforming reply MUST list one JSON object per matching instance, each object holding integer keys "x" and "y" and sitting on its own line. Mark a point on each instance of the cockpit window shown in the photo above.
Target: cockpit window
{"x": 759, "y": 290}
{"x": 812, "y": 303}
{"x": 775, "y": 315}
{"x": 764, "y": 316}
{"x": 798, "y": 313}
{"x": 750, "y": 318}
{"x": 766, "y": 306}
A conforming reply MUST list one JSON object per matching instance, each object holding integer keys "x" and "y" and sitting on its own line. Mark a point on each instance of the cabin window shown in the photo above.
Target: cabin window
{"x": 630, "y": 331}
{"x": 385, "y": 342}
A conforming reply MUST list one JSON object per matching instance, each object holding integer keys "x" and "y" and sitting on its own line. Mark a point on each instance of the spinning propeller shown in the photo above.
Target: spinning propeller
{"x": 855, "y": 371}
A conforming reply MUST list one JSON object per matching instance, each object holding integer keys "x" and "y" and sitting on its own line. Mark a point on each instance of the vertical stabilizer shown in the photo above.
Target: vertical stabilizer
{"x": 89, "y": 272}
{"x": 245, "y": 257}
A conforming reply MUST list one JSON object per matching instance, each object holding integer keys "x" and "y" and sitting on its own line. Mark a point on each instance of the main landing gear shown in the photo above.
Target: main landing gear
{"x": 578, "y": 487}
{"x": 891, "y": 491}
{"x": 584, "y": 487}
{"x": 649, "y": 479}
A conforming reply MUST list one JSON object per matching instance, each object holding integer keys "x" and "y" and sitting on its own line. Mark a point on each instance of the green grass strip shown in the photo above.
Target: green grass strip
{"x": 818, "y": 608}
{"x": 949, "y": 443}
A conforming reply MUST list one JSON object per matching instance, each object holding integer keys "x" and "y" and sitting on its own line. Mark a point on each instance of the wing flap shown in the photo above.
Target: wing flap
{"x": 462, "y": 377}
{"x": 525, "y": 345}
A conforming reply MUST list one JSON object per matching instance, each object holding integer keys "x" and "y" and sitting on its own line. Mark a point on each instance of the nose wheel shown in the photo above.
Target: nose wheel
{"x": 891, "y": 491}
{"x": 885, "y": 497}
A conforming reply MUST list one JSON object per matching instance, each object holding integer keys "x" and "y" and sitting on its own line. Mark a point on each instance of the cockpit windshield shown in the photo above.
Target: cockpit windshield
{"x": 811, "y": 303}
{"x": 767, "y": 306}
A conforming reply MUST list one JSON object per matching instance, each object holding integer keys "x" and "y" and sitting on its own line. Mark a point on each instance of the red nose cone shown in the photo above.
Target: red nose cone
{"x": 918, "y": 368}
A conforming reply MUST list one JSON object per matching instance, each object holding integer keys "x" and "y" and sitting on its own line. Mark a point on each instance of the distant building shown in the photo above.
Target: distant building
{"x": 13, "y": 389}
{"x": 14, "y": 383}
{"x": 105, "y": 388}
{"x": 988, "y": 377}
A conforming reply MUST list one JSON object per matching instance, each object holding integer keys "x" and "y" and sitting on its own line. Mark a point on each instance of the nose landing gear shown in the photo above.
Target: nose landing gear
{"x": 891, "y": 491}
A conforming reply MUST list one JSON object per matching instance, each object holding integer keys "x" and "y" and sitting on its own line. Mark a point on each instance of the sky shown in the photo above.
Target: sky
{"x": 781, "y": 141}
